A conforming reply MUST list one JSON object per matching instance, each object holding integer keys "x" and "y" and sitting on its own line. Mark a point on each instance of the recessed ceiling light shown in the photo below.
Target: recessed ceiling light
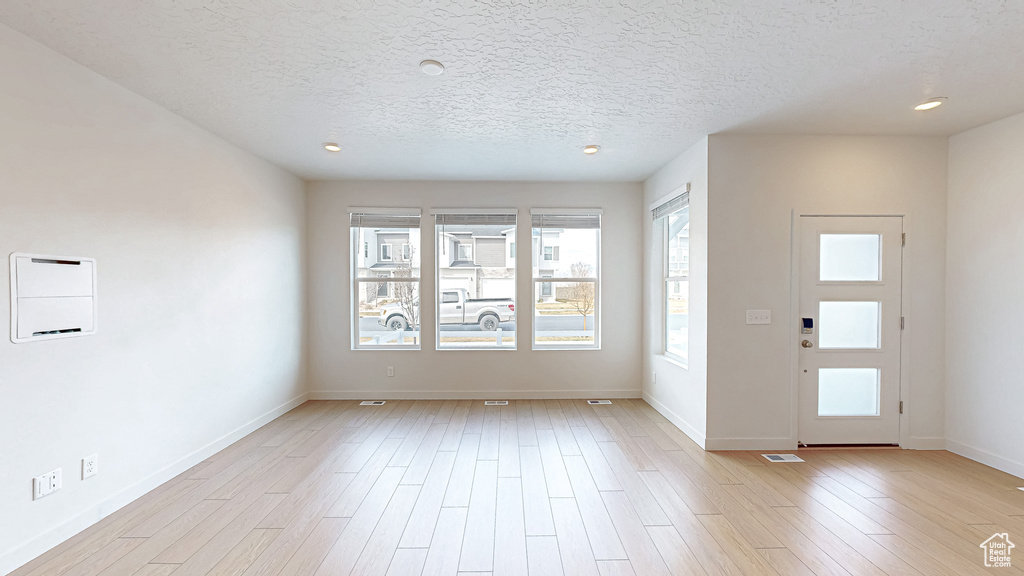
{"x": 929, "y": 104}
{"x": 432, "y": 67}
{"x": 591, "y": 149}
{"x": 332, "y": 147}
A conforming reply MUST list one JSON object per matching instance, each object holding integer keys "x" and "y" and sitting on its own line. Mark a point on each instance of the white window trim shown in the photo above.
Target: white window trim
{"x": 468, "y": 248}
{"x": 439, "y": 251}
{"x": 406, "y": 247}
{"x": 357, "y": 282}
{"x": 391, "y": 250}
{"x": 555, "y": 279}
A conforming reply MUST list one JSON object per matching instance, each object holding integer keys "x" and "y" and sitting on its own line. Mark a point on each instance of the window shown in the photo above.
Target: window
{"x": 566, "y": 292}
{"x": 476, "y": 298}
{"x": 512, "y": 250}
{"x": 674, "y": 217}
{"x": 385, "y": 292}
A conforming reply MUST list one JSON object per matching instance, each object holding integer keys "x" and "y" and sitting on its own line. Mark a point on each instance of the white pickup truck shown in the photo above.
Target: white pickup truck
{"x": 456, "y": 308}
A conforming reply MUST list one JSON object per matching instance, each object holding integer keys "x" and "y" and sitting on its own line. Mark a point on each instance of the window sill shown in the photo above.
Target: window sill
{"x": 675, "y": 361}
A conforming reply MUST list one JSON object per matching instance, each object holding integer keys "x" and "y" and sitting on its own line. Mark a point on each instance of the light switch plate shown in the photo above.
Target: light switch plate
{"x": 759, "y": 316}
{"x": 46, "y": 484}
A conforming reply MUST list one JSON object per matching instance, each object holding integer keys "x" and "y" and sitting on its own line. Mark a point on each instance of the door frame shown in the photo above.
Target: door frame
{"x": 906, "y": 335}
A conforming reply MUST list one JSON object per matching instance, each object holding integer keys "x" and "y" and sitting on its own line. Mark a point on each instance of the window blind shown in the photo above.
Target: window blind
{"x": 446, "y": 219}
{"x": 674, "y": 205}
{"x": 575, "y": 221}
{"x": 384, "y": 220}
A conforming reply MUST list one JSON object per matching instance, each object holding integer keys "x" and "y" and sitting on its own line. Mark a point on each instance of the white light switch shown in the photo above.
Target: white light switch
{"x": 759, "y": 316}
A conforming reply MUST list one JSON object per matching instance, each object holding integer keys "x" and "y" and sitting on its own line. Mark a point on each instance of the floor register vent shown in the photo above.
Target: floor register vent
{"x": 782, "y": 458}
{"x": 372, "y": 403}
{"x": 599, "y": 401}
{"x": 495, "y": 402}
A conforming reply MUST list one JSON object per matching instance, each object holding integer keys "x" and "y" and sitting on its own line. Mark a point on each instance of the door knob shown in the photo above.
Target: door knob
{"x": 807, "y": 344}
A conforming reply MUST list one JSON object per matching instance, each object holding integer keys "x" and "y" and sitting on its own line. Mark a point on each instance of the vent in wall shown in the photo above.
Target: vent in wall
{"x": 599, "y": 401}
{"x": 372, "y": 403}
{"x": 782, "y": 458}
{"x": 495, "y": 402}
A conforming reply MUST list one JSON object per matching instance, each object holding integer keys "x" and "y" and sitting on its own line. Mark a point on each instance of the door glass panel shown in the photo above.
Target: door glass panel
{"x": 849, "y": 324}
{"x": 850, "y": 257}
{"x": 848, "y": 391}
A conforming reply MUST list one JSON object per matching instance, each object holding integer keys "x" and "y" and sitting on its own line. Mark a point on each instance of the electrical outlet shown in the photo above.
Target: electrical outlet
{"x": 759, "y": 316}
{"x": 46, "y": 484}
{"x": 90, "y": 466}
{"x": 391, "y": 371}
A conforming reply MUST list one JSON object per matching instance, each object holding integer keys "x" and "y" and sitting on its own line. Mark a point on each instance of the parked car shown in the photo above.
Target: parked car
{"x": 456, "y": 308}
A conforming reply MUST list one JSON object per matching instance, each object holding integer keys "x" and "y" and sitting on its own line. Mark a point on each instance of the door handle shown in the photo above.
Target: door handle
{"x": 807, "y": 344}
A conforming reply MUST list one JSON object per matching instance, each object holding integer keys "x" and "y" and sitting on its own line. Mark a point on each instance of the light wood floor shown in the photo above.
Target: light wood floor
{"x": 542, "y": 487}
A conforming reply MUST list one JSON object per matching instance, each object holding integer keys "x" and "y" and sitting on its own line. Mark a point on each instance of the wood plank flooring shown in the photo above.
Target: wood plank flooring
{"x": 542, "y": 487}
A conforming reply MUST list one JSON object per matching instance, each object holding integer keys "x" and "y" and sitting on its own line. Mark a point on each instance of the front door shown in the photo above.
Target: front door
{"x": 848, "y": 334}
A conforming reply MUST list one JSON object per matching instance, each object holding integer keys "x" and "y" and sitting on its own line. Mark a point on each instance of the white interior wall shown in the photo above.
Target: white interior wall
{"x": 199, "y": 249}
{"x": 679, "y": 392}
{"x": 984, "y": 307}
{"x": 756, "y": 184}
{"x": 336, "y": 371}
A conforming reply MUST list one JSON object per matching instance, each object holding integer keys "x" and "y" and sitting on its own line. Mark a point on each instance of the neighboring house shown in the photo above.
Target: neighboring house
{"x": 678, "y": 250}
{"x": 480, "y": 259}
{"x": 546, "y": 254}
{"x": 383, "y": 252}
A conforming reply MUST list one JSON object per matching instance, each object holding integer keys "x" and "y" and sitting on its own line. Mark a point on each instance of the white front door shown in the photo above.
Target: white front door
{"x": 849, "y": 331}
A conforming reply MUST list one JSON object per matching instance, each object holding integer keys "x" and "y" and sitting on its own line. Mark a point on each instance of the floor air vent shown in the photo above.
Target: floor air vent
{"x": 495, "y": 402}
{"x": 782, "y": 458}
{"x": 599, "y": 401}
{"x": 372, "y": 403}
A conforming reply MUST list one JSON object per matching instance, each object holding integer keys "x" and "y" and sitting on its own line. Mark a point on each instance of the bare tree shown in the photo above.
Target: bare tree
{"x": 581, "y": 292}
{"x": 405, "y": 292}
{"x": 371, "y": 292}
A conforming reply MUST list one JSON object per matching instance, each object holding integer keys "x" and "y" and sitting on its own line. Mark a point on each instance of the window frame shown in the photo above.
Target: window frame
{"x": 541, "y": 280}
{"x": 667, "y": 261}
{"x": 441, "y": 255}
{"x": 390, "y": 251}
{"x": 387, "y": 279}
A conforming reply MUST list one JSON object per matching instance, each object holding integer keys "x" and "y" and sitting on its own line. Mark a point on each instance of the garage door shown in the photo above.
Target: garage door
{"x": 498, "y": 288}
{"x": 452, "y": 283}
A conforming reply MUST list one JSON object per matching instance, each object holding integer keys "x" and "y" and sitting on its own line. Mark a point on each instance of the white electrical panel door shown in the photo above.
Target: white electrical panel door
{"x": 52, "y": 297}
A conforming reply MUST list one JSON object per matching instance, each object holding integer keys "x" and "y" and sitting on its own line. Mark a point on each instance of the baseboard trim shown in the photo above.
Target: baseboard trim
{"x": 27, "y": 551}
{"x": 926, "y": 443}
{"x": 677, "y": 421}
{"x": 470, "y": 394}
{"x": 987, "y": 458}
{"x": 751, "y": 444}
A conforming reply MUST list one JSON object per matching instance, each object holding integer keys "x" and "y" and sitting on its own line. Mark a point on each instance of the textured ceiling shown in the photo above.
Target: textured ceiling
{"x": 528, "y": 83}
